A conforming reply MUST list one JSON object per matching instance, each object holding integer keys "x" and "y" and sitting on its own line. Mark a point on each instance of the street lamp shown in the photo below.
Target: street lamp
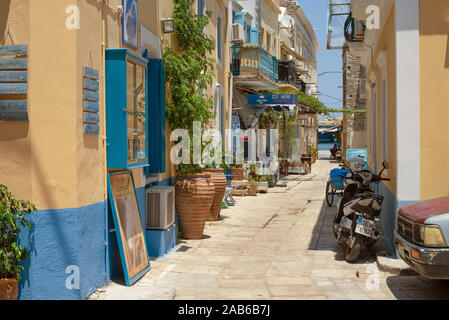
{"x": 168, "y": 25}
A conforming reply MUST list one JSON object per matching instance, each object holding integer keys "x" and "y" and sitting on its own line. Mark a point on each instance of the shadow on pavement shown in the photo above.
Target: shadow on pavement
{"x": 418, "y": 288}
{"x": 323, "y": 237}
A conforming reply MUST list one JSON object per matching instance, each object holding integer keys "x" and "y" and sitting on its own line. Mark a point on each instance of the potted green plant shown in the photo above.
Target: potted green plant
{"x": 189, "y": 72}
{"x": 252, "y": 179}
{"x": 13, "y": 217}
{"x": 253, "y": 183}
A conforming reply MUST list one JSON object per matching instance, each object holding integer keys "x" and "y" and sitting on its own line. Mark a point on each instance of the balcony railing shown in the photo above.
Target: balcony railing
{"x": 254, "y": 61}
{"x": 289, "y": 75}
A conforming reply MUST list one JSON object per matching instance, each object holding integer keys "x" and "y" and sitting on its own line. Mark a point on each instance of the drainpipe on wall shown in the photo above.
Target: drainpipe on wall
{"x": 103, "y": 138}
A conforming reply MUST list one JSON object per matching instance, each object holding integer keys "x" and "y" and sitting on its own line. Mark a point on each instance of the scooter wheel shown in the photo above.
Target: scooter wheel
{"x": 353, "y": 253}
{"x": 329, "y": 194}
{"x": 335, "y": 226}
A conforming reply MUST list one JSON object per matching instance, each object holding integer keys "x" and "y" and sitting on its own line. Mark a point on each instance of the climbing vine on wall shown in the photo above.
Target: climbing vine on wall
{"x": 189, "y": 71}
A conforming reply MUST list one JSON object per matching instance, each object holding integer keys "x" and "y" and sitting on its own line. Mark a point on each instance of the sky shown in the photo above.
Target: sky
{"x": 328, "y": 60}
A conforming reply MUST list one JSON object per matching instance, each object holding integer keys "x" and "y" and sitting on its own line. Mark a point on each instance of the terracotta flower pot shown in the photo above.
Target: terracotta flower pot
{"x": 239, "y": 172}
{"x": 193, "y": 200}
{"x": 252, "y": 190}
{"x": 9, "y": 289}
{"x": 219, "y": 180}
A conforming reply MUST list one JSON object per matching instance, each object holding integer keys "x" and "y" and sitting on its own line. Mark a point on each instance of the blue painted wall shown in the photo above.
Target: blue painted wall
{"x": 62, "y": 238}
{"x": 388, "y": 215}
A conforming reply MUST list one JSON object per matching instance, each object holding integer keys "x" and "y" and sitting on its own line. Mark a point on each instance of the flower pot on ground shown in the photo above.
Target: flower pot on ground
{"x": 13, "y": 215}
{"x": 9, "y": 289}
{"x": 219, "y": 180}
{"x": 262, "y": 186}
{"x": 193, "y": 200}
{"x": 252, "y": 189}
{"x": 239, "y": 172}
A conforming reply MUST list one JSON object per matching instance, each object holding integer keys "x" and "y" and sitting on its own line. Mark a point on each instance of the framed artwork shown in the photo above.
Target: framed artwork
{"x": 129, "y": 22}
{"x": 128, "y": 226}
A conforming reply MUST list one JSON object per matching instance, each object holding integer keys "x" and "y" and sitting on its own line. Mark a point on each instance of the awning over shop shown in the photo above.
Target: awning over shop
{"x": 329, "y": 126}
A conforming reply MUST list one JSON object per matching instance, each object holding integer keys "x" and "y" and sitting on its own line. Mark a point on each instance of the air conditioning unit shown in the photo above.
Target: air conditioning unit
{"x": 238, "y": 33}
{"x": 160, "y": 207}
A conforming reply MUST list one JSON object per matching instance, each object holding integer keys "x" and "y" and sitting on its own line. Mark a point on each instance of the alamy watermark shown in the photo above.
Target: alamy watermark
{"x": 204, "y": 147}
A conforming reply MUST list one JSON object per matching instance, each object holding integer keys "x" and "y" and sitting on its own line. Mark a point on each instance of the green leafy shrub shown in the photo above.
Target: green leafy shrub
{"x": 13, "y": 217}
{"x": 189, "y": 71}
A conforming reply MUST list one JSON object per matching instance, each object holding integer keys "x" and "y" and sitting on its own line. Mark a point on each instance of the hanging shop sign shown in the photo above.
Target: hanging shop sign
{"x": 129, "y": 21}
{"x": 272, "y": 99}
{"x": 128, "y": 226}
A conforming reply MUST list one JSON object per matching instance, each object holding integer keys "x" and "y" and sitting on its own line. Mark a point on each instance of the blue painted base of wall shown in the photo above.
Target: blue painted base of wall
{"x": 160, "y": 242}
{"x": 388, "y": 215}
{"x": 62, "y": 242}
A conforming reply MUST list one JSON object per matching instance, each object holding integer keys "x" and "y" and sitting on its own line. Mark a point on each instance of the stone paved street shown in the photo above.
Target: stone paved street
{"x": 274, "y": 246}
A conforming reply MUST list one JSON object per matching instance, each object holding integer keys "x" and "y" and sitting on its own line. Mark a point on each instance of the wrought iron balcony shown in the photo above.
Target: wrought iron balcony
{"x": 248, "y": 60}
{"x": 289, "y": 75}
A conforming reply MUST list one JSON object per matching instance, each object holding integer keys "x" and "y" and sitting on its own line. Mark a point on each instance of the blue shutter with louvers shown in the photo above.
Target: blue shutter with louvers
{"x": 156, "y": 116}
{"x": 254, "y": 36}
{"x": 239, "y": 18}
{"x": 162, "y": 118}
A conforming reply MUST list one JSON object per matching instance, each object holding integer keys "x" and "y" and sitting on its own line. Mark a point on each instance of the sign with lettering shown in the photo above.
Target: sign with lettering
{"x": 272, "y": 99}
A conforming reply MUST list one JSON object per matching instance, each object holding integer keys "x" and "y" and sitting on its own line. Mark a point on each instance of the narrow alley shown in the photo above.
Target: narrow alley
{"x": 276, "y": 246}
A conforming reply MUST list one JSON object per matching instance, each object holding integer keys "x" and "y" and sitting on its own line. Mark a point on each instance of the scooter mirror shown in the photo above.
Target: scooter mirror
{"x": 386, "y": 164}
{"x": 346, "y": 163}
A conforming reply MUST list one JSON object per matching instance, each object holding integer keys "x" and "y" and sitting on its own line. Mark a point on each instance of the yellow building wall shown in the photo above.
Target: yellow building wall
{"x": 48, "y": 159}
{"x": 386, "y": 42}
{"x": 269, "y": 22}
{"x": 434, "y": 74}
{"x": 15, "y": 148}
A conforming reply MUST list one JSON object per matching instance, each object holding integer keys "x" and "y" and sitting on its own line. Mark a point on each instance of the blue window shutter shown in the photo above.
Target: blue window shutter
{"x": 254, "y": 37}
{"x": 162, "y": 118}
{"x": 239, "y": 18}
{"x": 156, "y": 116}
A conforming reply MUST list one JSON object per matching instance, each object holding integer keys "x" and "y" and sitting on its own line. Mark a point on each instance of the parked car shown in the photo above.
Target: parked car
{"x": 421, "y": 237}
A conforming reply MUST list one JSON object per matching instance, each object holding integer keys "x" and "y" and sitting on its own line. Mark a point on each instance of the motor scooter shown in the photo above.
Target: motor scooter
{"x": 356, "y": 222}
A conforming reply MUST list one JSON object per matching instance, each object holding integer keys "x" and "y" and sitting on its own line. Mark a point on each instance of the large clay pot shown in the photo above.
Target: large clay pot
{"x": 9, "y": 289}
{"x": 194, "y": 197}
{"x": 219, "y": 180}
{"x": 239, "y": 172}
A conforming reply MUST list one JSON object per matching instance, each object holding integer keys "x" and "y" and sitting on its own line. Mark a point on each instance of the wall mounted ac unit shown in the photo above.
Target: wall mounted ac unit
{"x": 160, "y": 207}
{"x": 238, "y": 33}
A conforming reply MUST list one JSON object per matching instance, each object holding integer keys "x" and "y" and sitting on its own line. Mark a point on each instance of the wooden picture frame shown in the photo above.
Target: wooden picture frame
{"x": 130, "y": 23}
{"x": 130, "y": 238}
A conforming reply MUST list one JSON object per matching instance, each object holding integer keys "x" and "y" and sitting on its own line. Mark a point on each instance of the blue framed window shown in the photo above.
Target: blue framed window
{"x": 126, "y": 109}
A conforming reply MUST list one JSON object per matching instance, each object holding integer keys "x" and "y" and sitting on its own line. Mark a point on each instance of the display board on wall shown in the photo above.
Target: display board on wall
{"x": 129, "y": 22}
{"x": 91, "y": 98}
{"x": 128, "y": 226}
{"x": 14, "y": 83}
